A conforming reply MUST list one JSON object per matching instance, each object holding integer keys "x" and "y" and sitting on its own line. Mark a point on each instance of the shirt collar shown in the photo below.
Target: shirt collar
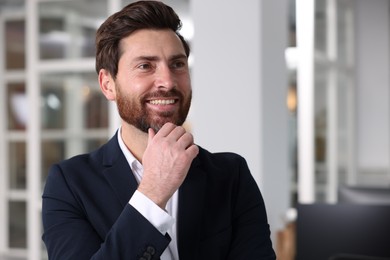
{"x": 135, "y": 165}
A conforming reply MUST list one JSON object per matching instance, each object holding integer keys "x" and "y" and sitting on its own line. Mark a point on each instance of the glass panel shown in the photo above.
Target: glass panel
{"x": 345, "y": 27}
{"x": 52, "y": 152}
{"x": 320, "y": 37}
{"x": 17, "y": 224}
{"x": 15, "y": 44}
{"x": 73, "y": 101}
{"x": 11, "y": 5}
{"x": 344, "y": 110}
{"x": 17, "y": 106}
{"x": 17, "y": 161}
{"x": 333, "y": 90}
{"x": 67, "y": 28}
{"x": 53, "y": 113}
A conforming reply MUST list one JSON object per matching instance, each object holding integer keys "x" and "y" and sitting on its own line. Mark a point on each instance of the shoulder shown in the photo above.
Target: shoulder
{"x": 105, "y": 155}
{"x": 220, "y": 159}
{"x": 222, "y": 165}
{"x": 81, "y": 161}
{"x": 84, "y": 166}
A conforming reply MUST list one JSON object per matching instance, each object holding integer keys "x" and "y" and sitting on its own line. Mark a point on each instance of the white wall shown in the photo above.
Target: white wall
{"x": 373, "y": 90}
{"x": 240, "y": 84}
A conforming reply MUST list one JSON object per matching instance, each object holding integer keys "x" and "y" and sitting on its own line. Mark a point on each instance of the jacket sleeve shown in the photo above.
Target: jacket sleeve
{"x": 68, "y": 233}
{"x": 251, "y": 231}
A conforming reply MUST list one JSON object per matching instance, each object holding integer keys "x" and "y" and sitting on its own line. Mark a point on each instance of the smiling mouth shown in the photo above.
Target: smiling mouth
{"x": 162, "y": 101}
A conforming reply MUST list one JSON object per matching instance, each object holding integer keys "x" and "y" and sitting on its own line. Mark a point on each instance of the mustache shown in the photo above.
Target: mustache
{"x": 174, "y": 93}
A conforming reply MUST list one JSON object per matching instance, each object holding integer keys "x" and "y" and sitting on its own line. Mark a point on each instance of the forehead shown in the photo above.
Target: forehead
{"x": 151, "y": 42}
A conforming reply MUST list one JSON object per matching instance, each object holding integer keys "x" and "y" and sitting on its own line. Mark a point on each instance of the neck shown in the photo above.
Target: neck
{"x": 135, "y": 140}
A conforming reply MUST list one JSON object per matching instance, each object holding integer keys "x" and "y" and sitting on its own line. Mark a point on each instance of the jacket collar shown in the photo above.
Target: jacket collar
{"x": 118, "y": 172}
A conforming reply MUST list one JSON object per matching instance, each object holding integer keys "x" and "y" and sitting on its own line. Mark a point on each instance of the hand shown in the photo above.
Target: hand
{"x": 166, "y": 162}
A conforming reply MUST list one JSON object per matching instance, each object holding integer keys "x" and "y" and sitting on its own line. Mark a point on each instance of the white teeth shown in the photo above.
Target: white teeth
{"x": 162, "y": 101}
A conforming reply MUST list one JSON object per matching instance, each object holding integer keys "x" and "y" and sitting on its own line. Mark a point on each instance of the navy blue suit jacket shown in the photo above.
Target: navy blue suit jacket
{"x": 86, "y": 215}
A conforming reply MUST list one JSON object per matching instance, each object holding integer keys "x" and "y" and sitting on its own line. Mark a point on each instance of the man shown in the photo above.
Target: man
{"x": 150, "y": 192}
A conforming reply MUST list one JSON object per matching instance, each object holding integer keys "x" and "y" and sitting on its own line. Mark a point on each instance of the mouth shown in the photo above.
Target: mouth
{"x": 162, "y": 102}
{"x": 163, "y": 105}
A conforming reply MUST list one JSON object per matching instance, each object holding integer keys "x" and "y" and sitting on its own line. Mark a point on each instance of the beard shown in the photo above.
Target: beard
{"x": 134, "y": 111}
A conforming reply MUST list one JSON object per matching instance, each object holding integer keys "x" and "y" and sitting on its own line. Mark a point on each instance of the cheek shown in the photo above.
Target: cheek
{"x": 137, "y": 86}
{"x": 185, "y": 84}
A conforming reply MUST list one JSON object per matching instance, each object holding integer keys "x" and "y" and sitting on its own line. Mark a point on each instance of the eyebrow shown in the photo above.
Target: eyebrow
{"x": 156, "y": 58}
{"x": 178, "y": 56}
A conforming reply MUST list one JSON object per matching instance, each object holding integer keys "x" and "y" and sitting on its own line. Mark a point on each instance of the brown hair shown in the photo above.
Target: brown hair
{"x": 135, "y": 16}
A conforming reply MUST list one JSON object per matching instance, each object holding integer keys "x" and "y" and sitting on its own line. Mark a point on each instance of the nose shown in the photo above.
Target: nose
{"x": 165, "y": 78}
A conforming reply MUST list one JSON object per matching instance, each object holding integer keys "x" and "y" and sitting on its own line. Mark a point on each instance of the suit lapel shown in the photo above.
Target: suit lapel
{"x": 117, "y": 172}
{"x": 191, "y": 203}
{"x": 191, "y": 195}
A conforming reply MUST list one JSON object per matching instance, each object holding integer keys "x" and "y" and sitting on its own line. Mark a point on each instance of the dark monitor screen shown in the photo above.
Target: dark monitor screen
{"x": 366, "y": 195}
{"x": 326, "y": 230}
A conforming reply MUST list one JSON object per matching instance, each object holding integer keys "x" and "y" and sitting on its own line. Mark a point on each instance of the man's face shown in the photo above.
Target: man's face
{"x": 153, "y": 84}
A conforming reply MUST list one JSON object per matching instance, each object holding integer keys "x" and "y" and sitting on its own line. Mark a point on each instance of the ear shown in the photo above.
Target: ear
{"x": 107, "y": 84}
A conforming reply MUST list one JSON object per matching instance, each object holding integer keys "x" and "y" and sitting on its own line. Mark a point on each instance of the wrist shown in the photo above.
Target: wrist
{"x": 153, "y": 195}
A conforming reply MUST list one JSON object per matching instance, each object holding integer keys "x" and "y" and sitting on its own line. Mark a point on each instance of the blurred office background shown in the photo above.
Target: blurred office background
{"x": 300, "y": 88}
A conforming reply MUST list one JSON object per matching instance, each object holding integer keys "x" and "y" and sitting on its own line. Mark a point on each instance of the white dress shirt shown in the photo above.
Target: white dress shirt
{"x": 163, "y": 220}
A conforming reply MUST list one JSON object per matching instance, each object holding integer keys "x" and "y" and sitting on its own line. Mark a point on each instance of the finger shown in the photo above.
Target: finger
{"x": 186, "y": 140}
{"x": 151, "y": 134}
{"x": 177, "y": 133}
{"x": 193, "y": 150}
{"x": 166, "y": 129}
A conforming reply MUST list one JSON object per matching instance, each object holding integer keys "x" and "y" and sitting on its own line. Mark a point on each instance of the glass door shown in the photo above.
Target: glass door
{"x": 326, "y": 94}
{"x": 52, "y": 107}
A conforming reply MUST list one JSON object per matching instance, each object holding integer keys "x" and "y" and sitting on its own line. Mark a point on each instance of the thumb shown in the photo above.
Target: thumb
{"x": 151, "y": 134}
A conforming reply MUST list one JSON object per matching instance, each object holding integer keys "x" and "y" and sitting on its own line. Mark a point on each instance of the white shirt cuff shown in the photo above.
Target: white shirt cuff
{"x": 159, "y": 218}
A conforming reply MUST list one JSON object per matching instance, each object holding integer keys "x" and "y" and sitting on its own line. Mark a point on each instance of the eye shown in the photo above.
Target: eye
{"x": 144, "y": 66}
{"x": 178, "y": 64}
